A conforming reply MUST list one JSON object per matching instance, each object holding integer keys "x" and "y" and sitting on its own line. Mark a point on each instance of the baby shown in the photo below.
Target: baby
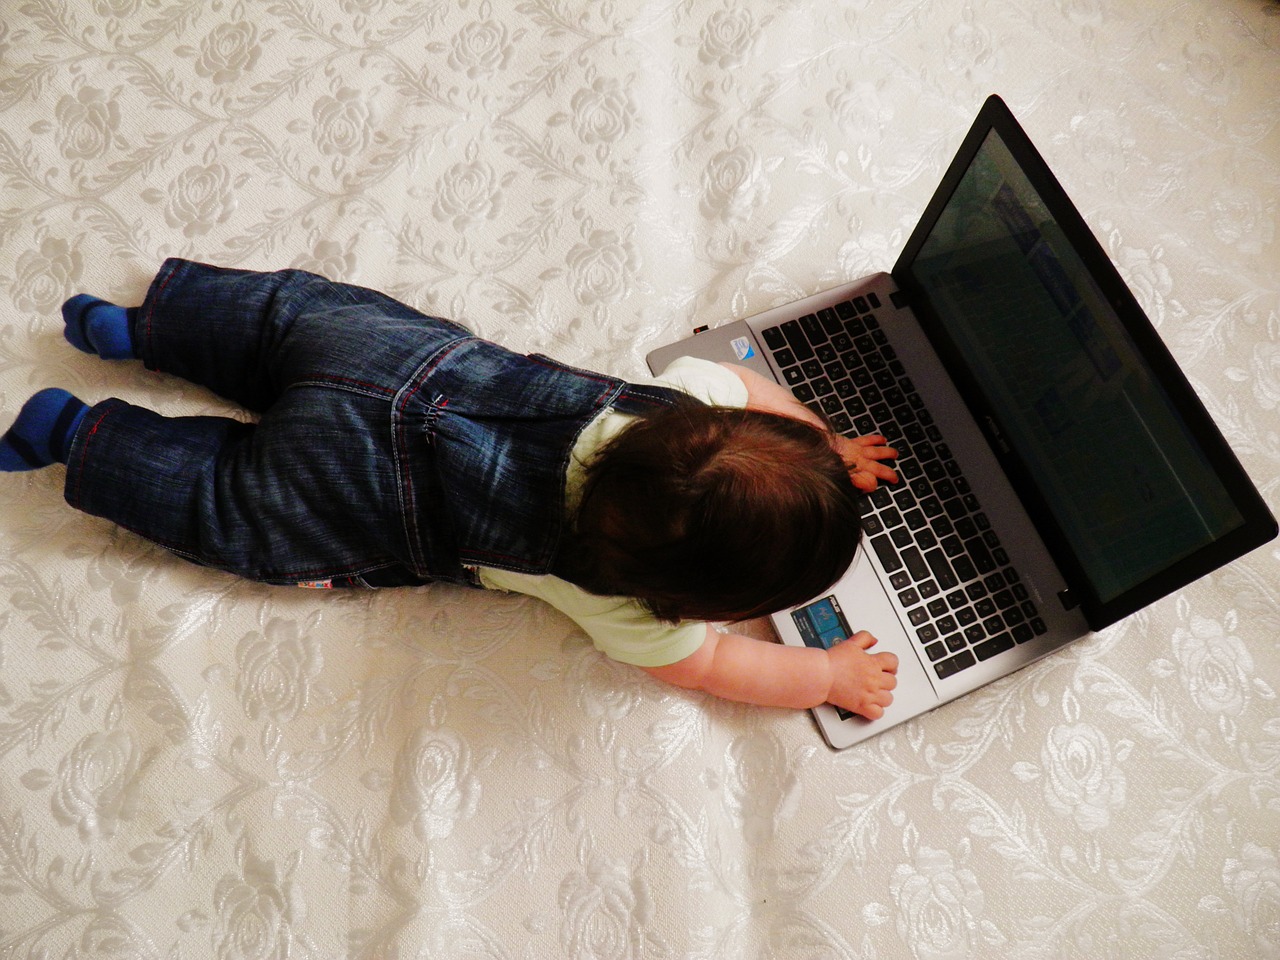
{"x": 395, "y": 449}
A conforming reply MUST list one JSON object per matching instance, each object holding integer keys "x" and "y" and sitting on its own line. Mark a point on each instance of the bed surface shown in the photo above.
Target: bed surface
{"x": 194, "y": 766}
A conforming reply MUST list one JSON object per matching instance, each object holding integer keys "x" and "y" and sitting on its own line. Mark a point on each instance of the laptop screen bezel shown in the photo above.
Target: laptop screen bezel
{"x": 1258, "y": 526}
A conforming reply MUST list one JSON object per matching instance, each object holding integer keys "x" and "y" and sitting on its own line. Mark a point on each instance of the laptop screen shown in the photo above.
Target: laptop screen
{"x": 1083, "y": 415}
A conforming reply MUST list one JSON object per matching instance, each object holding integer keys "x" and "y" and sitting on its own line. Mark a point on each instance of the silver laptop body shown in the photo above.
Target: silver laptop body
{"x": 1000, "y": 343}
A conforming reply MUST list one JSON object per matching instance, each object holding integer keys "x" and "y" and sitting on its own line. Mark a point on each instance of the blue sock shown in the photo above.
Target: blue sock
{"x": 95, "y": 326}
{"x": 43, "y": 431}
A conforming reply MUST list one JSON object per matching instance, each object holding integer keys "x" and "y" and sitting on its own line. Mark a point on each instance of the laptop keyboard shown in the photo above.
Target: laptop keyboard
{"x": 964, "y": 600}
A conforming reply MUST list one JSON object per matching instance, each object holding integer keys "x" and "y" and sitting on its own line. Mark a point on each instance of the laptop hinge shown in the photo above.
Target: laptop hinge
{"x": 1068, "y": 599}
{"x": 900, "y": 300}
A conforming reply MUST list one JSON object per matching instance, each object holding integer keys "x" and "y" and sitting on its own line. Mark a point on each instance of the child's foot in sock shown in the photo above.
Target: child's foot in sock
{"x": 96, "y": 326}
{"x": 42, "y": 433}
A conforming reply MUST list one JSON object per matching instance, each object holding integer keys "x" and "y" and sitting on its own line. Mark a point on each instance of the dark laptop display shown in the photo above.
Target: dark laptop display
{"x": 1113, "y": 455}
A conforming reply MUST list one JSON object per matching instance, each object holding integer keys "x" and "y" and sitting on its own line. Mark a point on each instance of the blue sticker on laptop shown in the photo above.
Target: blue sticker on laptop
{"x": 743, "y": 348}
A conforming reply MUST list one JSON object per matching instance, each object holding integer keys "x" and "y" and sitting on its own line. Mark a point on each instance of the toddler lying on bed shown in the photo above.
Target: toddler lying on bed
{"x": 396, "y": 449}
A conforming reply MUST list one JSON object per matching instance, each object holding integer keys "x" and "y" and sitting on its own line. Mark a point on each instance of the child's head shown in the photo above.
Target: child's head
{"x": 714, "y": 513}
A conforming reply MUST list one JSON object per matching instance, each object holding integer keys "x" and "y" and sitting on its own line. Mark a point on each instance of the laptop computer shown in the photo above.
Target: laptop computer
{"x": 1057, "y": 471}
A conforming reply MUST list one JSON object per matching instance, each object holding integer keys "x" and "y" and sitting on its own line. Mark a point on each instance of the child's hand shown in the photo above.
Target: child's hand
{"x": 862, "y": 681}
{"x": 862, "y": 455}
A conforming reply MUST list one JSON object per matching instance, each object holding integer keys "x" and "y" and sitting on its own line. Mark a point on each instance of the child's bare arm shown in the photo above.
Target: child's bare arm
{"x": 862, "y": 454}
{"x": 773, "y": 675}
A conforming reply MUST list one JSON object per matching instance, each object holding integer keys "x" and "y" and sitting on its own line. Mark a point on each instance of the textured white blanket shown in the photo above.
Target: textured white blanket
{"x": 193, "y": 766}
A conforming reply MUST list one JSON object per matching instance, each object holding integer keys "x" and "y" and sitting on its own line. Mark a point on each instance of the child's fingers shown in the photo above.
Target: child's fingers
{"x": 862, "y": 639}
{"x": 863, "y": 456}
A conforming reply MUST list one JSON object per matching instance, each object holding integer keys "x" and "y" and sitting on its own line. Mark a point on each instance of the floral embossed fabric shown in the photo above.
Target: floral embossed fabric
{"x": 192, "y": 766}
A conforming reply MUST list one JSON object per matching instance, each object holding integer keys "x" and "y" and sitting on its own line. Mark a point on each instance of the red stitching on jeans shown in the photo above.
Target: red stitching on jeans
{"x": 84, "y": 454}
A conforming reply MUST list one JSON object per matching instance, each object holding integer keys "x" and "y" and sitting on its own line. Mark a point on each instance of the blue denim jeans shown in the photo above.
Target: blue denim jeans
{"x": 312, "y": 494}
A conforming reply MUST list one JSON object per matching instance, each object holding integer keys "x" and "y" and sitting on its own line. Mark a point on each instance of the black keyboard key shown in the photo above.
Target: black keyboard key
{"x": 1022, "y": 633}
{"x": 949, "y": 668}
{"x": 997, "y": 644}
{"x": 981, "y": 555}
{"x": 813, "y": 329}
{"x": 796, "y": 340}
{"x": 942, "y": 570}
{"x": 916, "y": 565}
{"x": 887, "y": 553}
{"x": 775, "y": 338}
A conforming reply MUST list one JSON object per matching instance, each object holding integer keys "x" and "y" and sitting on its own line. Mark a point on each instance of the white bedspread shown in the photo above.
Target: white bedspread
{"x": 192, "y": 766}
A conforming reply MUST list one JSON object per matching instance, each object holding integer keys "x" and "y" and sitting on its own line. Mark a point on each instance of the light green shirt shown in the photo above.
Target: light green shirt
{"x": 619, "y": 626}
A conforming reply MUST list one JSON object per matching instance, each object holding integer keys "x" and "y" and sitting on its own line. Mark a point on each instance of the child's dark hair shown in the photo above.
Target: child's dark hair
{"x": 715, "y": 513}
